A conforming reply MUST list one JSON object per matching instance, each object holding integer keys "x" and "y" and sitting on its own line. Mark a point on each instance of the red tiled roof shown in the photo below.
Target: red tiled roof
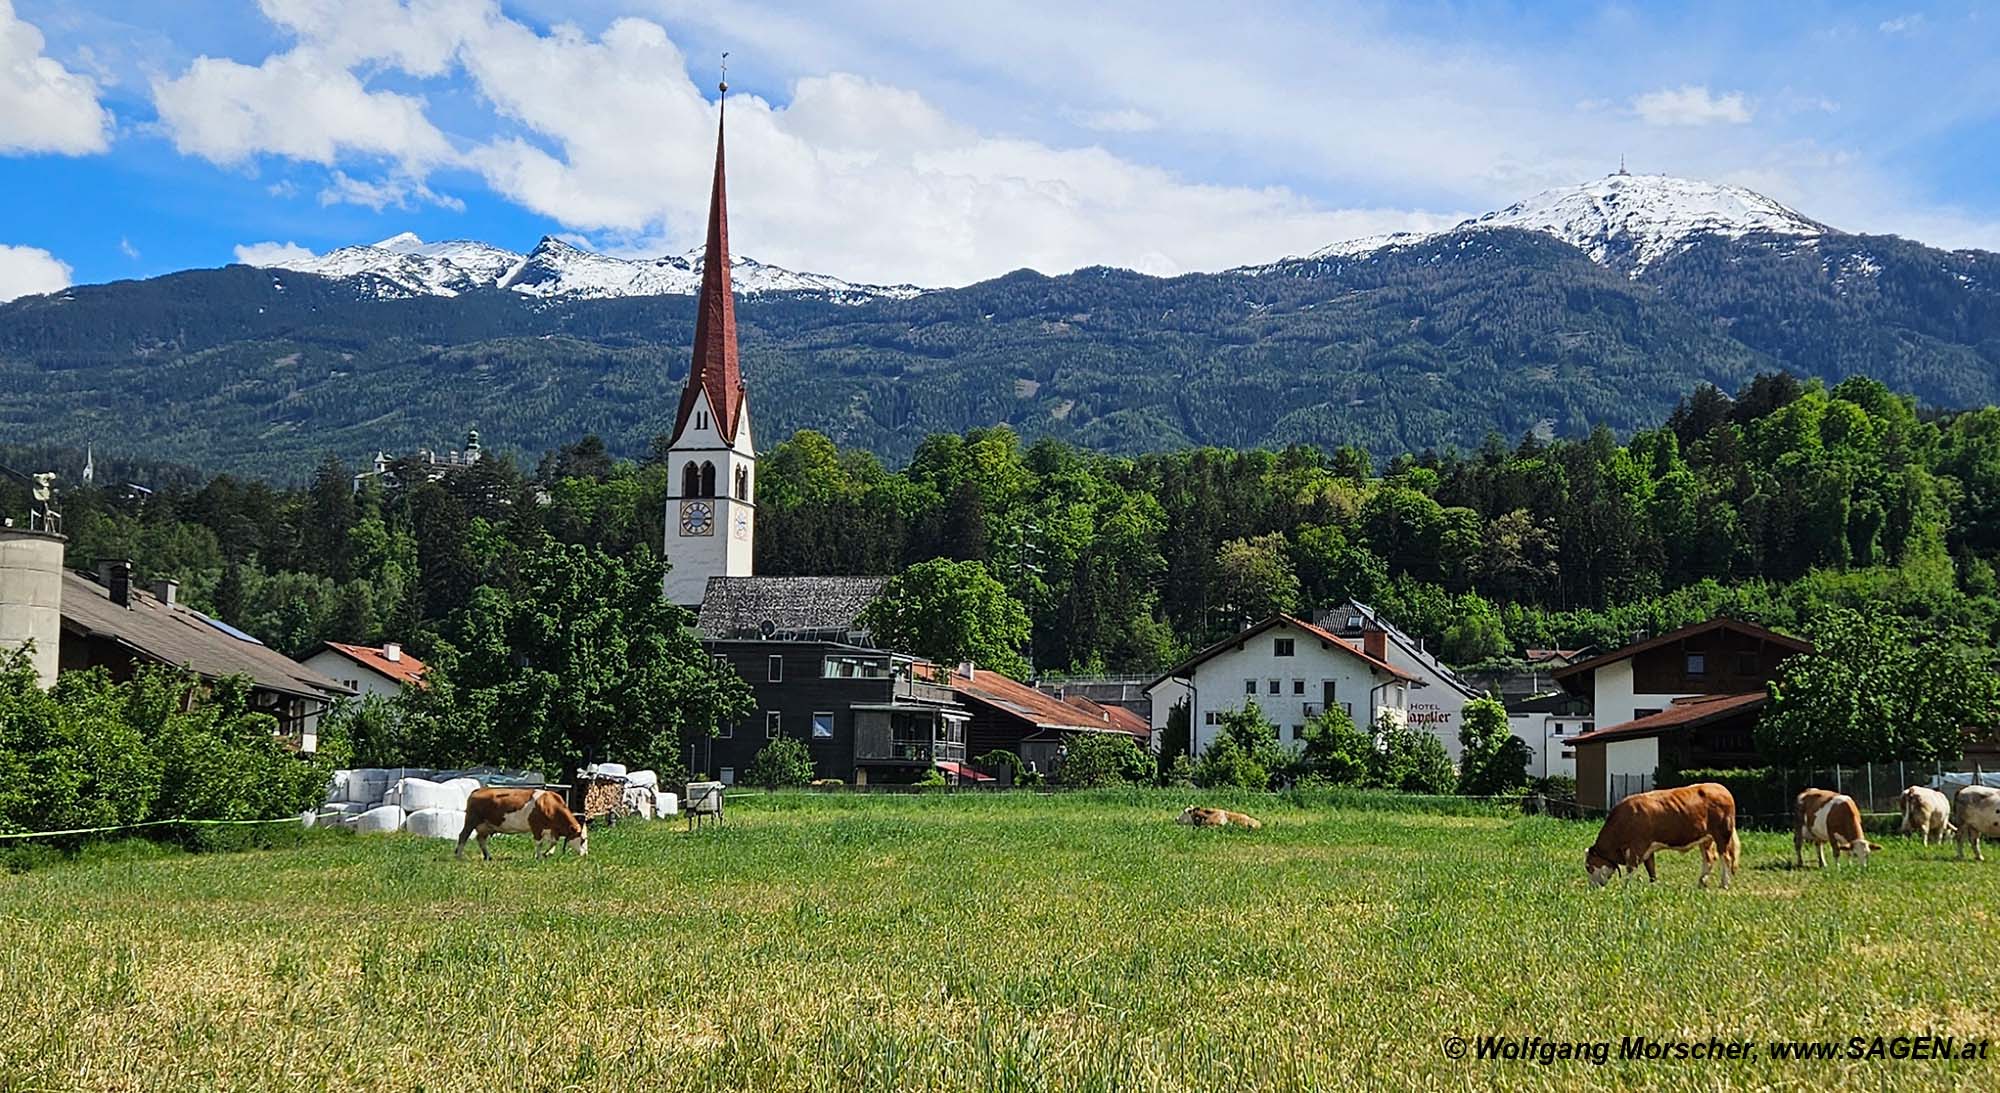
{"x": 1333, "y": 640}
{"x": 1671, "y": 636}
{"x": 406, "y": 669}
{"x": 714, "y": 368}
{"x": 1044, "y": 711}
{"x": 1683, "y": 713}
{"x": 1118, "y": 717}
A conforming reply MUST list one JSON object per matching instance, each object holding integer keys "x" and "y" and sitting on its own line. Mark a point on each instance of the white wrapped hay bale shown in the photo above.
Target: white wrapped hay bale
{"x": 647, "y": 778}
{"x": 417, "y": 794}
{"x": 463, "y": 787}
{"x": 436, "y": 823}
{"x": 379, "y": 821}
{"x": 610, "y": 770}
{"x": 369, "y": 785}
{"x": 665, "y": 805}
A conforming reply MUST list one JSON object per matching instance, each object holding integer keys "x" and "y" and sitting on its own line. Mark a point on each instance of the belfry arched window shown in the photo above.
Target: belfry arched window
{"x": 690, "y": 480}
{"x": 707, "y": 479}
{"x": 743, "y": 483}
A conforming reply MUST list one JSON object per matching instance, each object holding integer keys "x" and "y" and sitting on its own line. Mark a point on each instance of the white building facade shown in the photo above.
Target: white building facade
{"x": 1292, "y": 670}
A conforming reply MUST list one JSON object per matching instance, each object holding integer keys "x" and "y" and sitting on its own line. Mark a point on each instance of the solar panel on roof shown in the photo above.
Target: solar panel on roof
{"x": 226, "y": 628}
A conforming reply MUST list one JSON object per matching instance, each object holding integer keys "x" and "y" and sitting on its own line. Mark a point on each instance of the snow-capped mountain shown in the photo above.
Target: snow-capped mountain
{"x": 1625, "y": 221}
{"x": 404, "y": 265}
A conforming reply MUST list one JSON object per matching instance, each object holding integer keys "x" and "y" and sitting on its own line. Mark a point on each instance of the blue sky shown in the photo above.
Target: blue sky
{"x": 943, "y": 143}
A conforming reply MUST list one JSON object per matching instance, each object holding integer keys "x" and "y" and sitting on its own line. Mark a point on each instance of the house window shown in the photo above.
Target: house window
{"x": 1281, "y": 647}
{"x": 1276, "y": 686}
{"x": 1348, "y": 709}
{"x": 1354, "y": 622}
{"x": 1697, "y": 664}
{"x": 1589, "y": 725}
{"x": 1208, "y": 718}
{"x": 1648, "y": 712}
{"x": 1298, "y": 686}
{"x": 1569, "y": 755}
{"x": 725, "y": 732}
{"x": 822, "y": 724}
{"x": 774, "y": 669}
{"x": 1249, "y": 686}
{"x": 771, "y": 725}
{"x": 727, "y": 776}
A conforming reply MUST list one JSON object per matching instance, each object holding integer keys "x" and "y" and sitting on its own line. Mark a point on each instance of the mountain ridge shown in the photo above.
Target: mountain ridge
{"x": 1429, "y": 341}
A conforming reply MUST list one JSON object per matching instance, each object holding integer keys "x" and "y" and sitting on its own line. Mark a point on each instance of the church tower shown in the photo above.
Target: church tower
{"x": 711, "y": 506}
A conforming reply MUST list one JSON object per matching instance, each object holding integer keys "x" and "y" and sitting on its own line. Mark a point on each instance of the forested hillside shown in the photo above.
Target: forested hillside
{"x": 1405, "y": 349}
{"x": 1785, "y": 498}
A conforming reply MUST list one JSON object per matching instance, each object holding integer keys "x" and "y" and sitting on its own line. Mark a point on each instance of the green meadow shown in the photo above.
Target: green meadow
{"x": 1080, "y": 941}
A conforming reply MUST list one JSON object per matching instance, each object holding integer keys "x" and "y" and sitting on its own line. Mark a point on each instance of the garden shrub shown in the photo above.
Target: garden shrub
{"x": 784, "y": 762}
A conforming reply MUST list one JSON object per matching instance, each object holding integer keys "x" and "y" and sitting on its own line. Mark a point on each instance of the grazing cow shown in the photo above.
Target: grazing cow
{"x": 1197, "y": 816}
{"x": 1978, "y": 815}
{"x": 1828, "y": 817}
{"x": 537, "y": 812}
{"x": 1927, "y": 811}
{"x": 1702, "y": 815}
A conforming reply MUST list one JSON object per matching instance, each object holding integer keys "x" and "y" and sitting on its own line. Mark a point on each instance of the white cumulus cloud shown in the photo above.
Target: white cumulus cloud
{"x": 271, "y": 254}
{"x": 44, "y": 107}
{"x": 302, "y": 105}
{"x": 1691, "y": 105}
{"x": 29, "y": 271}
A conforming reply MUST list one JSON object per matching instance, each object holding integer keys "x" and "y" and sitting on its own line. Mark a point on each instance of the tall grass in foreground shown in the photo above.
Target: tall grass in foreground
{"x": 1079, "y": 941}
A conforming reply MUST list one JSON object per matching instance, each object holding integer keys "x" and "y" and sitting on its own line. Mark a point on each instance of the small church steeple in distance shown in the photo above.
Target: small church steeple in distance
{"x": 711, "y": 509}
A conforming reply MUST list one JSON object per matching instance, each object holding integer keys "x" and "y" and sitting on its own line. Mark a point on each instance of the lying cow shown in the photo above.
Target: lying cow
{"x": 1197, "y": 816}
{"x": 1978, "y": 815}
{"x": 1826, "y": 817}
{"x": 1682, "y": 819}
{"x": 537, "y": 812}
{"x": 1926, "y": 811}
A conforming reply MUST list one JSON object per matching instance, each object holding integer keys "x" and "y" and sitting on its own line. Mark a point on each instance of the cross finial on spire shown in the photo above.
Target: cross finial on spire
{"x": 722, "y": 86}
{"x": 1621, "y": 164}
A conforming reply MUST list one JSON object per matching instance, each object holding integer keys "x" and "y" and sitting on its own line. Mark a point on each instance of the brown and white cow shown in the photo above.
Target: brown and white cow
{"x": 1978, "y": 815}
{"x": 1198, "y": 816}
{"x": 537, "y": 812}
{"x": 1926, "y": 812}
{"x": 1826, "y": 817}
{"x": 1702, "y": 815}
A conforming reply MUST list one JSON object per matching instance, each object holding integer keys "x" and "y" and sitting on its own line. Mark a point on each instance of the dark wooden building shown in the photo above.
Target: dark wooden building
{"x": 866, "y": 715}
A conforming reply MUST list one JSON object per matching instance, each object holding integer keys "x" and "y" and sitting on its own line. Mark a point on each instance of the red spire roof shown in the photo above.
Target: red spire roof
{"x": 714, "y": 368}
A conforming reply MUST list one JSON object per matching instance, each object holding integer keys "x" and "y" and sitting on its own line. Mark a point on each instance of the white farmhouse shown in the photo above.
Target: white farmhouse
{"x": 1292, "y": 670}
{"x": 1687, "y": 698}
{"x": 368, "y": 670}
{"x": 1440, "y": 707}
{"x": 1549, "y": 723}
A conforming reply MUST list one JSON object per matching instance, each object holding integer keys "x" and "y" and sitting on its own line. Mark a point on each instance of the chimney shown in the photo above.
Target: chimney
{"x": 392, "y": 652}
{"x": 115, "y": 574}
{"x": 167, "y": 591}
{"x": 967, "y": 669}
{"x": 1375, "y": 643}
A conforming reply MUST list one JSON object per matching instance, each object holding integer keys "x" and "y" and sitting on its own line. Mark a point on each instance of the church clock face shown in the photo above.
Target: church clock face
{"x": 697, "y": 518}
